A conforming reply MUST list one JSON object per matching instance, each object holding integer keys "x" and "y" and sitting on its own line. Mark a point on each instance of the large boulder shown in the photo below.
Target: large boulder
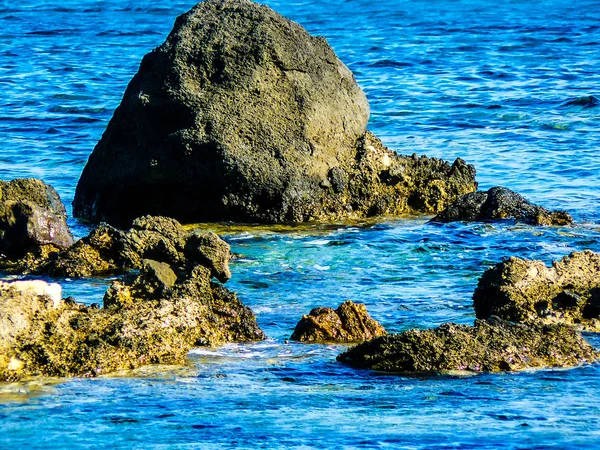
{"x": 350, "y": 322}
{"x": 32, "y": 216}
{"x": 523, "y": 290}
{"x": 499, "y": 203}
{"x": 242, "y": 115}
{"x": 488, "y": 346}
{"x": 154, "y": 317}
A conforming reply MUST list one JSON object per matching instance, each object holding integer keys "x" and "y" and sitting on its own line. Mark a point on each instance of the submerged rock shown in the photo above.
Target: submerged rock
{"x": 523, "y": 290}
{"x": 32, "y": 218}
{"x": 155, "y": 317}
{"x": 488, "y": 346}
{"x": 350, "y": 322}
{"x": 500, "y": 203}
{"x": 242, "y": 115}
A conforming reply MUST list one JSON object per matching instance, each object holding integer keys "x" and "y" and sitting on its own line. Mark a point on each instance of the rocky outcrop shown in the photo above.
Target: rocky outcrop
{"x": 523, "y": 290}
{"x": 154, "y": 317}
{"x": 108, "y": 250}
{"x": 32, "y": 218}
{"x": 242, "y": 115}
{"x": 488, "y": 346}
{"x": 350, "y": 322}
{"x": 500, "y": 203}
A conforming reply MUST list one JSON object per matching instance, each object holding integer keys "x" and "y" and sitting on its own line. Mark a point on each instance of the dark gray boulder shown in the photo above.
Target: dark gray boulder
{"x": 31, "y": 216}
{"x": 499, "y": 203}
{"x": 242, "y": 115}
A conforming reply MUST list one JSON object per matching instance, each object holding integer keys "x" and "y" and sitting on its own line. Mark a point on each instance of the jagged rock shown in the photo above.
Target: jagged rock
{"x": 242, "y": 115}
{"x": 213, "y": 251}
{"x": 350, "y": 322}
{"x": 522, "y": 290}
{"x": 31, "y": 217}
{"x": 488, "y": 346}
{"x": 108, "y": 250}
{"x": 146, "y": 319}
{"x": 500, "y": 203}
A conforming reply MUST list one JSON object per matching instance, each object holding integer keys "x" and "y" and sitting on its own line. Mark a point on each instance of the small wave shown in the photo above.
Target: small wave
{"x": 51, "y": 32}
{"x": 390, "y": 63}
{"x": 588, "y": 101}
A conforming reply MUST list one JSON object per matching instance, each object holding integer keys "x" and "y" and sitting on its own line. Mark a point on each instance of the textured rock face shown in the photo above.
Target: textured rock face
{"x": 500, "y": 203}
{"x": 350, "y": 322}
{"x": 242, "y": 115}
{"x": 31, "y": 216}
{"x": 107, "y": 250}
{"x": 488, "y": 346}
{"x": 155, "y": 317}
{"x": 522, "y": 290}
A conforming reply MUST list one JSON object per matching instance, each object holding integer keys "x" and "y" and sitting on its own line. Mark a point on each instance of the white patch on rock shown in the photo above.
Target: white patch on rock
{"x": 15, "y": 364}
{"x": 386, "y": 160}
{"x": 36, "y": 287}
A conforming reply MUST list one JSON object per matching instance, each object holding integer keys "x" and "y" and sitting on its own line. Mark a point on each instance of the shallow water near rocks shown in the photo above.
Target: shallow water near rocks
{"x": 490, "y": 82}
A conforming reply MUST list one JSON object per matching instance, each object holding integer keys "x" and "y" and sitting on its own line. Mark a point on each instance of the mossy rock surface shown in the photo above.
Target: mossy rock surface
{"x": 527, "y": 290}
{"x": 488, "y": 346}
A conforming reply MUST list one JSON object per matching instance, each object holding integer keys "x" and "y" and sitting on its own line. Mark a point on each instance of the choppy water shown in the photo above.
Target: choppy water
{"x": 487, "y": 81}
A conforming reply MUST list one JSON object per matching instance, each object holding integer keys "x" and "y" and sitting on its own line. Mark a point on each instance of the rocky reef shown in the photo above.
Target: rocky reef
{"x": 152, "y": 317}
{"x": 241, "y": 115}
{"x": 108, "y": 250}
{"x": 523, "y": 290}
{"x": 488, "y": 346}
{"x": 32, "y": 219}
{"x": 165, "y": 305}
{"x": 499, "y": 203}
{"x": 350, "y": 322}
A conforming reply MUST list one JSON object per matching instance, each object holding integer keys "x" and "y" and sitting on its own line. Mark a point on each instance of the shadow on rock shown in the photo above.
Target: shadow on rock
{"x": 33, "y": 220}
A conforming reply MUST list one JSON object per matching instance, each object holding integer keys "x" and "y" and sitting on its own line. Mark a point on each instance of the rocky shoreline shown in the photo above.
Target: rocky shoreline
{"x": 242, "y": 115}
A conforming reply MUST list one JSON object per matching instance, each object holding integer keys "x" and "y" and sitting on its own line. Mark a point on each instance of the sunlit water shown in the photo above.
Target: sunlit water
{"x": 486, "y": 81}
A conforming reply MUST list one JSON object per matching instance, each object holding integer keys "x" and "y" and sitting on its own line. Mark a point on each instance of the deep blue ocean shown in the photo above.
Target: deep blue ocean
{"x": 488, "y": 81}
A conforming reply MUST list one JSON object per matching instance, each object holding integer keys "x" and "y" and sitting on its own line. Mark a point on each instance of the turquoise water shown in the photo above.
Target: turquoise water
{"x": 489, "y": 82}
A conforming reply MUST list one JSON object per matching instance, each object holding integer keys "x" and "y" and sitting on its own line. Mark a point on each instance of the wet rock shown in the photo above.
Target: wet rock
{"x": 350, "y": 322}
{"x": 242, "y": 115}
{"x": 108, "y": 250}
{"x": 146, "y": 319}
{"x": 497, "y": 204}
{"x": 523, "y": 290}
{"x": 31, "y": 217}
{"x": 488, "y": 346}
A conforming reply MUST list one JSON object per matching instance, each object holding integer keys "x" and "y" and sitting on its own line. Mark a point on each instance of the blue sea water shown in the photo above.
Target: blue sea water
{"x": 488, "y": 81}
